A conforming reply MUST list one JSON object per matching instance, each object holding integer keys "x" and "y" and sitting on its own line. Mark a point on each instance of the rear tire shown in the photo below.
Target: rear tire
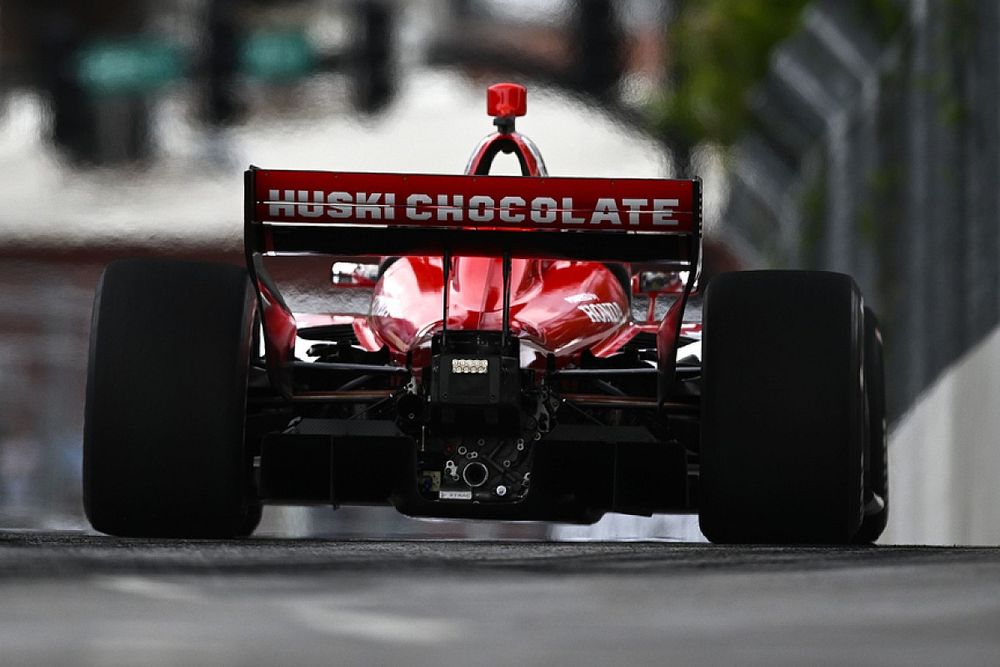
{"x": 164, "y": 452}
{"x": 877, "y": 471}
{"x": 783, "y": 413}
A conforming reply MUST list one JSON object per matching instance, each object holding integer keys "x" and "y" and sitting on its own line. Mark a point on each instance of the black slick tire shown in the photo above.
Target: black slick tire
{"x": 164, "y": 452}
{"x": 783, "y": 414}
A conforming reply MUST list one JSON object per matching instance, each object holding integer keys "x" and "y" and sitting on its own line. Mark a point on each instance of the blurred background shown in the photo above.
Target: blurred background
{"x": 852, "y": 135}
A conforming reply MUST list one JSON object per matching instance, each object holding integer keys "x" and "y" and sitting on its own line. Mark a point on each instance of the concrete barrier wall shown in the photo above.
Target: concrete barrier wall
{"x": 944, "y": 457}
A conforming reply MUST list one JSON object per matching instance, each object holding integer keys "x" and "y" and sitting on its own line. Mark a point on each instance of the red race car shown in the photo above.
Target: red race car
{"x": 525, "y": 356}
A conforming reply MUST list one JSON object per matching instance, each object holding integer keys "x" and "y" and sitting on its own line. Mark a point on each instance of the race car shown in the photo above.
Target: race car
{"x": 526, "y": 353}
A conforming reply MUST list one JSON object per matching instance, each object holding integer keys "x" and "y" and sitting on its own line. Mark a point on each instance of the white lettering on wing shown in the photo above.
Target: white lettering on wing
{"x": 315, "y": 211}
{"x": 605, "y": 211}
{"x": 479, "y": 209}
{"x": 663, "y": 211}
{"x": 275, "y": 210}
{"x": 412, "y": 202}
{"x": 543, "y": 210}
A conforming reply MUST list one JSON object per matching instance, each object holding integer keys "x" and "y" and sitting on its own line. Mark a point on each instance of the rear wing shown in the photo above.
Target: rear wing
{"x": 338, "y": 213}
{"x": 376, "y": 214}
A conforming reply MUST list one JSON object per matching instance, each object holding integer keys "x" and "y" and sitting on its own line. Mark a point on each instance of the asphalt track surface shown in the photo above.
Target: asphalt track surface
{"x": 81, "y": 599}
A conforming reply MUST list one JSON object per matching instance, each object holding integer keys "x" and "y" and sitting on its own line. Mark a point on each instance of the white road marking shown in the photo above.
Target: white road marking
{"x": 151, "y": 588}
{"x": 321, "y": 616}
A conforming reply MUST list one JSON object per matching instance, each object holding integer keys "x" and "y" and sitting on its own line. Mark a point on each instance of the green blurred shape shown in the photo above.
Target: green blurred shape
{"x": 721, "y": 48}
{"x": 283, "y": 54}
{"x": 128, "y": 66}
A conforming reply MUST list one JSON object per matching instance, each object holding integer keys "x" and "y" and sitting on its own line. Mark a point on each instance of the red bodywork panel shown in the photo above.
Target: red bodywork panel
{"x": 561, "y": 307}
